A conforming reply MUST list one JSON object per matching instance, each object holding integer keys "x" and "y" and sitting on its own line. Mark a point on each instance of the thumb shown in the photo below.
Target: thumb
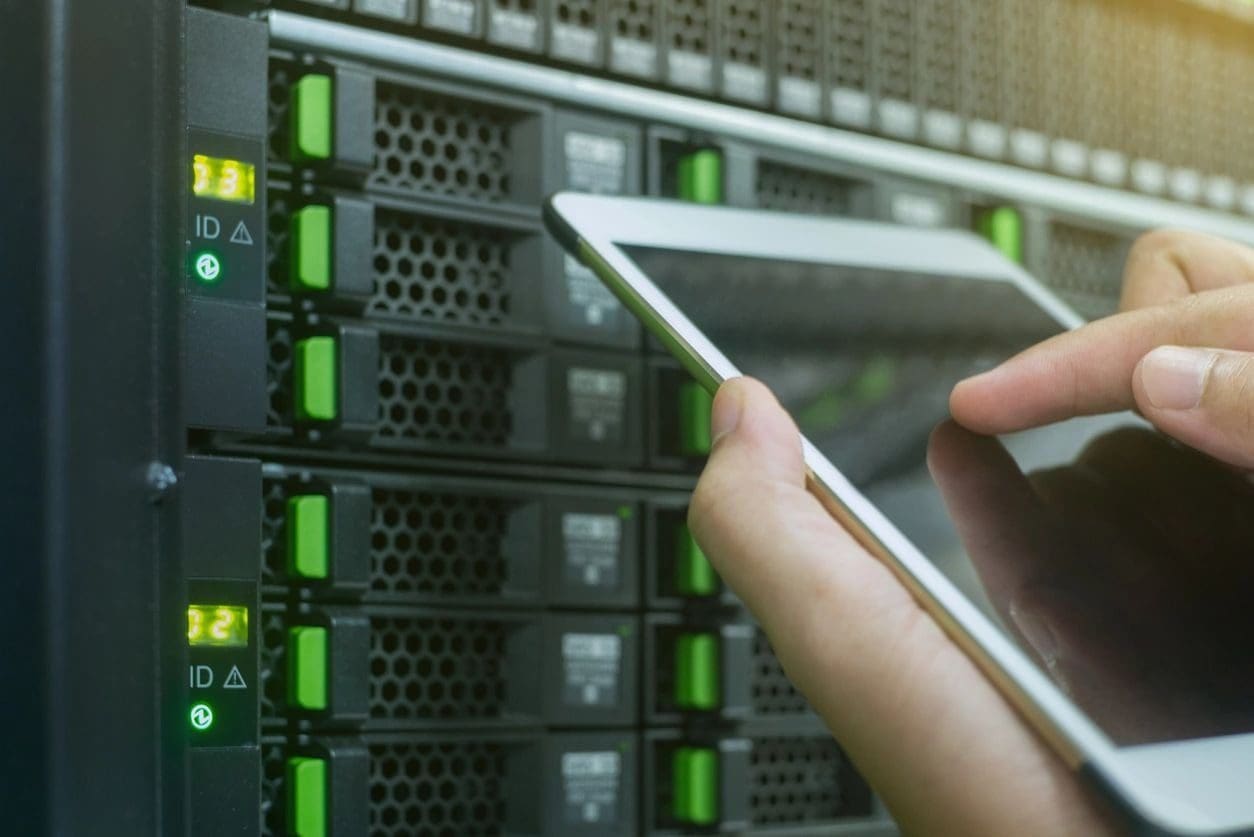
{"x": 1202, "y": 397}
{"x": 905, "y": 703}
{"x": 817, "y": 592}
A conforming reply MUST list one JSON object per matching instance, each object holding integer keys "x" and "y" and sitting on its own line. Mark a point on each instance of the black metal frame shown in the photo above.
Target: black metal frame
{"x": 91, "y": 229}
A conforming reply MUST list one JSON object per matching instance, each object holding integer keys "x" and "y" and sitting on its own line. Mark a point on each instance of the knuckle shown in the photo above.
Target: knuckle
{"x": 1163, "y": 244}
{"x": 1156, "y": 241}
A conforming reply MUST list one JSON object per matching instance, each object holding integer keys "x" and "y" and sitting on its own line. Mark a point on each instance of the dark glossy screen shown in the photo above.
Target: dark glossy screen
{"x": 1120, "y": 561}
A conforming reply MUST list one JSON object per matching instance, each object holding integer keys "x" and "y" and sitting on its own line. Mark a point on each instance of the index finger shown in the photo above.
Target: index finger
{"x": 1089, "y": 370}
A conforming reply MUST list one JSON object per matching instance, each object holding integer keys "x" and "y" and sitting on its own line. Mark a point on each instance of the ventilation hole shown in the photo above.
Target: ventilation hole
{"x": 442, "y": 788}
{"x": 744, "y": 32}
{"x": 632, "y": 19}
{"x": 273, "y": 544}
{"x": 416, "y": 257}
{"x": 429, "y": 368}
{"x": 794, "y": 780}
{"x": 273, "y": 803}
{"x": 278, "y": 213}
{"x": 415, "y": 543}
{"x": 791, "y": 189}
{"x": 437, "y": 669}
{"x": 850, "y": 43}
{"x": 271, "y": 671}
{"x": 689, "y": 24}
{"x": 797, "y": 50}
{"x": 278, "y": 374}
{"x": 283, "y": 75}
{"x": 893, "y": 48}
{"x": 772, "y": 691}
{"x": 412, "y": 129}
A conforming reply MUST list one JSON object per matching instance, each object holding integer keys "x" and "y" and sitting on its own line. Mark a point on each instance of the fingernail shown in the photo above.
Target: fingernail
{"x": 1038, "y": 633}
{"x": 1174, "y": 377}
{"x": 725, "y": 414}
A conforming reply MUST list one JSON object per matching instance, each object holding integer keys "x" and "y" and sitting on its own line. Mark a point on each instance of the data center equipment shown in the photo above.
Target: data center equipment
{"x": 341, "y": 502}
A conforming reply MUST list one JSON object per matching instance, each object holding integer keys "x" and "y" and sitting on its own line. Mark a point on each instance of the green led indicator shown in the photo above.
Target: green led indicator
{"x": 694, "y": 785}
{"x": 201, "y": 717}
{"x": 700, "y": 176}
{"x": 208, "y": 267}
{"x": 1003, "y": 226}
{"x": 695, "y": 406}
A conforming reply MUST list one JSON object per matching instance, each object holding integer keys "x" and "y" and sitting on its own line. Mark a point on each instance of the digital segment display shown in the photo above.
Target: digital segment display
{"x": 223, "y": 180}
{"x": 223, "y": 626}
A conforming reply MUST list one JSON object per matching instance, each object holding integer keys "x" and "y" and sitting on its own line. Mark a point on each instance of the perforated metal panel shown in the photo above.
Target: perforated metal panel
{"x": 1066, "y": 86}
{"x": 273, "y": 522}
{"x": 979, "y": 62}
{"x": 435, "y": 269}
{"x": 430, "y": 143}
{"x": 689, "y": 36}
{"x": 432, "y": 543}
{"x": 279, "y": 211}
{"x": 283, "y": 75}
{"x": 435, "y": 391}
{"x": 575, "y": 31}
{"x": 1086, "y": 267}
{"x": 772, "y": 692}
{"x": 799, "y": 49}
{"x": 273, "y": 799}
{"x": 633, "y": 36}
{"x": 892, "y": 49}
{"x": 437, "y": 668}
{"x": 1021, "y": 65}
{"x": 278, "y": 374}
{"x": 516, "y": 24}
{"x": 1239, "y": 68}
{"x": 449, "y": 789}
{"x": 794, "y": 780}
{"x": 524, "y": 6}
{"x": 797, "y": 38}
{"x": 271, "y": 670}
{"x": 744, "y": 46}
{"x": 689, "y": 25}
{"x": 788, "y": 188}
{"x": 937, "y": 54}
{"x": 849, "y": 68}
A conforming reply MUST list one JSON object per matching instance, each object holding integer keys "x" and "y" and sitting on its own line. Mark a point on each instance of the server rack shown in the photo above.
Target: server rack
{"x": 437, "y": 465}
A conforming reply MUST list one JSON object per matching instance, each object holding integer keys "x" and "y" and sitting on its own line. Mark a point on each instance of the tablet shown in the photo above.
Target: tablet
{"x": 1138, "y": 552}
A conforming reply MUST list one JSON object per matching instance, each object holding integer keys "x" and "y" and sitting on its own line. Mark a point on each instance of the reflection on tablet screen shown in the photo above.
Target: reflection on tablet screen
{"x": 1118, "y": 559}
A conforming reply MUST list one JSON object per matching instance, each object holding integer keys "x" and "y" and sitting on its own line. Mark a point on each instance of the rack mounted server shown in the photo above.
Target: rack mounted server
{"x": 352, "y": 505}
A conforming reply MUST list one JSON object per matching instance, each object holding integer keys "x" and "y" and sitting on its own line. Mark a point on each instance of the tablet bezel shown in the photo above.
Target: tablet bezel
{"x": 1182, "y": 787}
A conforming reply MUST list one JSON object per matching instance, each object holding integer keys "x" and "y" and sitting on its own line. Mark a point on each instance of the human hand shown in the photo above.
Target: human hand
{"x": 1181, "y": 352}
{"x": 937, "y": 741}
{"x": 1125, "y": 573}
{"x": 1156, "y": 538}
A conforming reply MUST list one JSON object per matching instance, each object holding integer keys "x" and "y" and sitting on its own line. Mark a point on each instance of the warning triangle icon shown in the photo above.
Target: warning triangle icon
{"x": 241, "y": 235}
{"x": 234, "y": 680}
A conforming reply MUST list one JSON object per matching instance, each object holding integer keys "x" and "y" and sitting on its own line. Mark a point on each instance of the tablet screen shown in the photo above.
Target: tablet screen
{"x": 1121, "y": 562}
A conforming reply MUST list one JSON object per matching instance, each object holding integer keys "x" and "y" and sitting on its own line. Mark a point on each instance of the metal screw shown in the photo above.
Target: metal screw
{"x": 161, "y": 480}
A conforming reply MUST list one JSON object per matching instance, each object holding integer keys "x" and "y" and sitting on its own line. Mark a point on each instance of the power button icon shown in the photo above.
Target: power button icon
{"x": 201, "y": 716}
